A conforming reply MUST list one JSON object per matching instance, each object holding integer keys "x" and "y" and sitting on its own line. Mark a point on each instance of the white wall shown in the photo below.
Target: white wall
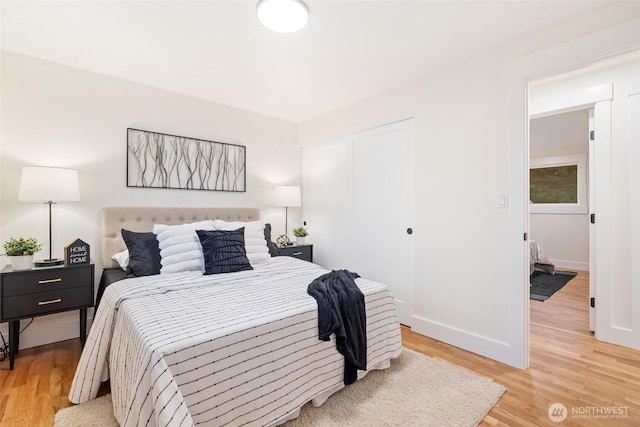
{"x": 564, "y": 237}
{"x": 470, "y": 140}
{"x": 54, "y": 115}
{"x": 460, "y": 162}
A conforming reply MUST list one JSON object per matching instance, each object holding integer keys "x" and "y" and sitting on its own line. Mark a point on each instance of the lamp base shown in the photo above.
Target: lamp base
{"x": 48, "y": 262}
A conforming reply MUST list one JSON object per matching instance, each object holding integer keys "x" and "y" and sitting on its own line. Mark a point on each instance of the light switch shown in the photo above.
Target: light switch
{"x": 503, "y": 200}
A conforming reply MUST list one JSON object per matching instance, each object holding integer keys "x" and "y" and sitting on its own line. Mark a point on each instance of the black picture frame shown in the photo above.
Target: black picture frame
{"x": 160, "y": 160}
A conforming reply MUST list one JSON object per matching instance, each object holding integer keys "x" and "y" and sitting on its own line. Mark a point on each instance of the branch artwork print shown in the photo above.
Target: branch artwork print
{"x": 158, "y": 160}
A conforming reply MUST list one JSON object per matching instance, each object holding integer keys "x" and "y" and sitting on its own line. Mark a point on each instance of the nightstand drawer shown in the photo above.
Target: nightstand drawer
{"x": 30, "y": 305}
{"x": 42, "y": 291}
{"x": 303, "y": 252}
{"x": 43, "y": 280}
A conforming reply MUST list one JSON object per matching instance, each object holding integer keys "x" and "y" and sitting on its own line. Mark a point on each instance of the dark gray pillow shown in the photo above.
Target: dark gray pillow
{"x": 223, "y": 251}
{"x": 144, "y": 253}
{"x": 273, "y": 248}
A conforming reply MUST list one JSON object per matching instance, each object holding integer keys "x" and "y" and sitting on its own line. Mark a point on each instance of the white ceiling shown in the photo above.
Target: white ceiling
{"x": 217, "y": 50}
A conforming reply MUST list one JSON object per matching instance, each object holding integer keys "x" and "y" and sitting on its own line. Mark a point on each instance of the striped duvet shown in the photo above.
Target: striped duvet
{"x": 222, "y": 350}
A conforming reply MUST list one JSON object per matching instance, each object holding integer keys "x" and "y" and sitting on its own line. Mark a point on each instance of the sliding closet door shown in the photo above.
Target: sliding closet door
{"x": 383, "y": 206}
{"x": 327, "y": 202}
{"x": 358, "y": 205}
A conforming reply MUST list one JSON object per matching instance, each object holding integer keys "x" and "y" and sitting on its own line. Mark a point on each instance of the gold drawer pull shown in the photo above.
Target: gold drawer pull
{"x": 44, "y": 282}
{"x": 297, "y": 253}
{"x": 51, "y": 301}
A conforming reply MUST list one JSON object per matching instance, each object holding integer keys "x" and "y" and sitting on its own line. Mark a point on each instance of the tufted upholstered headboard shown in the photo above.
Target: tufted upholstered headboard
{"x": 142, "y": 219}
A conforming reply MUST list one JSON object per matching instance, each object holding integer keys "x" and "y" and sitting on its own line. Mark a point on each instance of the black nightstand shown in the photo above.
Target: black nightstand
{"x": 41, "y": 291}
{"x": 303, "y": 252}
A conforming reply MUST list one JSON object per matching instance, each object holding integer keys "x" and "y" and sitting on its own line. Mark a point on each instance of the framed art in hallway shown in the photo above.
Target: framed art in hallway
{"x": 159, "y": 160}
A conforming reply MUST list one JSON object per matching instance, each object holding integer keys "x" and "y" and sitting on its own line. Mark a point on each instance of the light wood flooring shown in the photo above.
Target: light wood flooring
{"x": 567, "y": 366}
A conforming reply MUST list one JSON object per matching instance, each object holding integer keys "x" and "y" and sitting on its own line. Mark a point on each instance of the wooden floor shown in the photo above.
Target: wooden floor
{"x": 568, "y": 366}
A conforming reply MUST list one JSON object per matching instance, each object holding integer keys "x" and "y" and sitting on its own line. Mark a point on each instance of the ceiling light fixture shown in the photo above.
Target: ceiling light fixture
{"x": 283, "y": 16}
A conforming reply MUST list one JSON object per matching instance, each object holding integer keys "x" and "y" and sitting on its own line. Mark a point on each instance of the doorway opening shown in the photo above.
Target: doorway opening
{"x": 606, "y": 92}
{"x": 559, "y": 225}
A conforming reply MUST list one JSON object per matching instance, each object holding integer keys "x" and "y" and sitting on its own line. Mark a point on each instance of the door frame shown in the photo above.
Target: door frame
{"x": 597, "y": 99}
{"x": 572, "y": 55}
{"x": 633, "y": 99}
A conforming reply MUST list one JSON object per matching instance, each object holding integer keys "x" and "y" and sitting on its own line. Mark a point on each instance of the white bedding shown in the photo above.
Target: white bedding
{"x": 229, "y": 349}
{"x": 539, "y": 259}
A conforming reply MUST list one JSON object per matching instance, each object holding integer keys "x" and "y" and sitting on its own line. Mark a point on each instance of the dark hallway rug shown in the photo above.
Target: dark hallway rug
{"x": 543, "y": 285}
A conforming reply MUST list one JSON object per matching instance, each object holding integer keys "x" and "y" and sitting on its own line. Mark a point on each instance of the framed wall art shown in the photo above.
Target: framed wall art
{"x": 158, "y": 160}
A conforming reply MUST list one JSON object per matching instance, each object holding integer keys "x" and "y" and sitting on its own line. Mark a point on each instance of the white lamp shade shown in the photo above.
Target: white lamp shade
{"x": 287, "y": 196}
{"x": 45, "y": 184}
{"x": 283, "y": 16}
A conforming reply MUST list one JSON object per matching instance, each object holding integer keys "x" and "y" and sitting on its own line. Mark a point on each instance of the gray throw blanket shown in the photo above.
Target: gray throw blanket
{"x": 341, "y": 310}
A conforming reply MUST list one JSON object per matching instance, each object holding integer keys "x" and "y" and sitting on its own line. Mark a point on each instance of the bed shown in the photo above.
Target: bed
{"x": 240, "y": 348}
{"x": 539, "y": 261}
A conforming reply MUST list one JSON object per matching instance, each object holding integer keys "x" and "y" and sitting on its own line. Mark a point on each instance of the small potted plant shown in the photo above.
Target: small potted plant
{"x": 20, "y": 252}
{"x": 300, "y": 234}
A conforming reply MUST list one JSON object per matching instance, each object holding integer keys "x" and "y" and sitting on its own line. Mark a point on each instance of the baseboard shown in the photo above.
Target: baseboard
{"x": 49, "y": 329}
{"x": 571, "y": 265}
{"x": 487, "y": 347}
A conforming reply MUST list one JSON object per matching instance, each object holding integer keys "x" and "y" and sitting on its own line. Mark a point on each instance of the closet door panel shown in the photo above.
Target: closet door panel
{"x": 327, "y": 202}
{"x": 358, "y": 194}
{"x": 383, "y": 206}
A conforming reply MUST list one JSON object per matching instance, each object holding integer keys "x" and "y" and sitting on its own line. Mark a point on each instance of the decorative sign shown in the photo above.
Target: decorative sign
{"x": 77, "y": 252}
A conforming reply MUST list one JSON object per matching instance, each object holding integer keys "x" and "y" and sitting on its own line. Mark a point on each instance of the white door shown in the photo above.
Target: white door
{"x": 358, "y": 206}
{"x": 607, "y": 322}
{"x": 383, "y": 194}
{"x": 591, "y": 204}
{"x": 601, "y": 229}
{"x": 633, "y": 94}
{"x": 604, "y": 320}
{"x": 326, "y": 200}
{"x": 617, "y": 318}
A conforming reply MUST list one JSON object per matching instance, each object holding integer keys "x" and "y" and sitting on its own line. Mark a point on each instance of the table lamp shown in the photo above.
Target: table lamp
{"x": 49, "y": 185}
{"x": 287, "y": 196}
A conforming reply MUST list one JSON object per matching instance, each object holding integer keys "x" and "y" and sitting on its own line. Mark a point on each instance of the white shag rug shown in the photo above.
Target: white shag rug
{"x": 415, "y": 391}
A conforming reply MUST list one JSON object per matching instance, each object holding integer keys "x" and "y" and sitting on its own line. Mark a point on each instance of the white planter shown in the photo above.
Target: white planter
{"x": 22, "y": 262}
{"x": 300, "y": 240}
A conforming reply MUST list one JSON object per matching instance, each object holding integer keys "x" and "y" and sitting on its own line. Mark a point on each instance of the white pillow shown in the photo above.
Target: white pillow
{"x": 122, "y": 258}
{"x": 254, "y": 242}
{"x": 180, "y": 247}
